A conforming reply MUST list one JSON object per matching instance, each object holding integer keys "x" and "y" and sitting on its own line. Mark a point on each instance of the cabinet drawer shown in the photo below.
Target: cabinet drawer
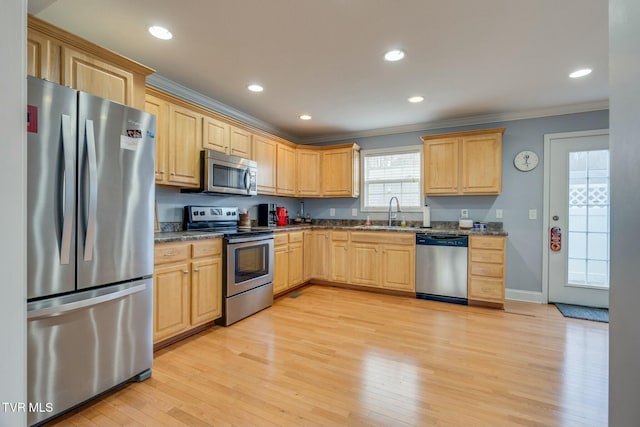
{"x": 170, "y": 252}
{"x": 485, "y": 269}
{"x": 340, "y": 235}
{"x": 383, "y": 237}
{"x": 295, "y": 237}
{"x": 486, "y": 289}
{"x": 280, "y": 239}
{"x": 211, "y": 247}
{"x": 484, "y": 255}
{"x": 481, "y": 242}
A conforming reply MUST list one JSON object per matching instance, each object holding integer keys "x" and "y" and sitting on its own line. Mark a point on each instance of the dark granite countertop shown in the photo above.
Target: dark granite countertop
{"x": 440, "y": 228}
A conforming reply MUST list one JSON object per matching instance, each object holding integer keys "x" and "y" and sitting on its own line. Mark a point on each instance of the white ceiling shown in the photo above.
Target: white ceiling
{"x": 468, "y": 58}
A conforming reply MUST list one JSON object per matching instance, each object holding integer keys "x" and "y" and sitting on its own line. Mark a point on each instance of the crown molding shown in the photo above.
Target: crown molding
{"x": 464, "y": 121}
{"x": 176, "y": 89}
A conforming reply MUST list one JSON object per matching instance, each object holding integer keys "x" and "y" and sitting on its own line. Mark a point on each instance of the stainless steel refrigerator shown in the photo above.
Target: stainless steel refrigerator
{"x": 90, "y": 246}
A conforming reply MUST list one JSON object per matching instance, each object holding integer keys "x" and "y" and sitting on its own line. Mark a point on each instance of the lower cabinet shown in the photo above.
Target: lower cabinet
{"x": 486, "y": 270}
{"x": 383, "y": 260}
{"x": 316, "y": 254}
{"x": 288, "y": 261}
{"x": 187, "y": 286}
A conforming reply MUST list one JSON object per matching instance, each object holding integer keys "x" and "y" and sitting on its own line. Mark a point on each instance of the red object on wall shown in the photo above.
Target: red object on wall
{"x": 555, "y": 240}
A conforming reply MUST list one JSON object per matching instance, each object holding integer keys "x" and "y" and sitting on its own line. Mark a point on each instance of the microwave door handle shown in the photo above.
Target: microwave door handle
{"x": 247, "y": 181}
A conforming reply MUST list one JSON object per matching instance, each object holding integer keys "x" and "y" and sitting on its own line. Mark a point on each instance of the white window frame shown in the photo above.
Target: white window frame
{"x": 392, "y": 150}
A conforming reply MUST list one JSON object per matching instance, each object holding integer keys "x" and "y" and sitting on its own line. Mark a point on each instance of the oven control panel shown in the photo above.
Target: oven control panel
{"x": 210, "y": 213}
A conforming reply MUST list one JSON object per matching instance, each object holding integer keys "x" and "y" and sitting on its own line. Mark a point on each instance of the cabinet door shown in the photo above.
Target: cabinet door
{"x": 365, "y": 265}
{"x": 308, "y": 255}
{"x": 482, "y": 164}
{"x": 206, "y": 290}
{"x": 240, "y": 143}
{"x": 398, "y": 267}
{"x": 337, "y": 173}
{"x": 441, "y": 166}
{"x": 265, "y": 152}
{"x": 170, "y": 300}
{"x": 308, "y": 166}
{"x": 215, "y": 135}
{"x": 296, "y": 262}
{"x": 185, "y": 140}
{"x": 280, "y": 269}
{"x": 43, "y": 57}
{"x": 286, "y": 162}
{"x": 160, "y": 109}
{"x": 90, "y": 74}
{"x": 339, "y": 261}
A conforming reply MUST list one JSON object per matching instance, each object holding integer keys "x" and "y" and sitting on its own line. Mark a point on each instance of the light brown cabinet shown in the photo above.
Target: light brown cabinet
{"x": 339, "y": 256}
{"x": 308, "y": 172}
{"x": 187, "y": 286}
{"x": 285, "y": 170}
{"x": 486, "y": 270}
{"x": 265, "y": 152}
{"x": 288, "y": 261}
{"x": 316, "y": 254}
{"x": 63, "y": 58}
{"x": 341, "y": 171}
{"x": 218, "y": 135}
{"x": 463, "y": 163}
{"x": 385, "y": 260}
{"x": 178, "y": 140}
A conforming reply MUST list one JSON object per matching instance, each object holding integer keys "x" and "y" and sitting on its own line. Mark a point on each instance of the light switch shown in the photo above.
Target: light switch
{"x": 498, "y": 213}
{"x": 354, "y": 211}
{"x": 332, "y": 211}
{"x": 533, "y": 213}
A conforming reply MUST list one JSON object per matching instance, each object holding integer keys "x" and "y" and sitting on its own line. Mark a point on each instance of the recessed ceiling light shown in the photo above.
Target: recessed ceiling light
{"x": 255, "y": 88}
{"x": 580, "y": 73}
{"x": 394, "y": 55}
{"x": 160, "y": 32}
{"x": 305, "y": 117}
{"x": 416, "y": 99}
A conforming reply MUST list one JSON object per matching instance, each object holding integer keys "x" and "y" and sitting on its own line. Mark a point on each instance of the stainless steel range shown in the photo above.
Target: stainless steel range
{"x": 247, "y": 258}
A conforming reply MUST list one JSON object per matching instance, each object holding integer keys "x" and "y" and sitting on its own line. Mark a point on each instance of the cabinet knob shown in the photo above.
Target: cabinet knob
{"x": 162, "y": 172}
{"x": 173, "y": 173}
{"x": 185, "y": 271}
{"x": 195, "y": 270}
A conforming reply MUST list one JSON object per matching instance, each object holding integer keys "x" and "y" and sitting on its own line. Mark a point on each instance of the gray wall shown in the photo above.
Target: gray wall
{"x": 13, "y": 258}
{"x": 624, "y": 329}
{"x": 521, "y": 191}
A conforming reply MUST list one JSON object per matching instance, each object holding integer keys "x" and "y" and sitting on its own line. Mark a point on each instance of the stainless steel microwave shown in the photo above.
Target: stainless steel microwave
{"x": 225, "y": 174}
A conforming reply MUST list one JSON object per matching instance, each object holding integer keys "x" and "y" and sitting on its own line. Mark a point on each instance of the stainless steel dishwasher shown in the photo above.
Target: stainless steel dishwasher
{"x": 441, "y": 267}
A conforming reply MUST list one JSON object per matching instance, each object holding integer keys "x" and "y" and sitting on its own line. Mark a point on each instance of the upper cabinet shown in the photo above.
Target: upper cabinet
{"x": 265, "y": 151}
{"x": 463, "y": 163}
{"x": 219, "y": 135}
{"x": 308, "y": 172}
{"x": 61, "y": 57}
{"x": 286, "y": 170}
{"x": 178, "y": 140}
{"x": 341, "y": 171}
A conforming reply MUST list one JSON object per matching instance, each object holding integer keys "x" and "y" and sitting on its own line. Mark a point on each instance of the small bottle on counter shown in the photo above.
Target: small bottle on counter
{"x": 368, "y": 221}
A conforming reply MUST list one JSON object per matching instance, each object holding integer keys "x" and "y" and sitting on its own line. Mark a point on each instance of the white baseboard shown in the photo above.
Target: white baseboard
{"x": 526, "y": 296}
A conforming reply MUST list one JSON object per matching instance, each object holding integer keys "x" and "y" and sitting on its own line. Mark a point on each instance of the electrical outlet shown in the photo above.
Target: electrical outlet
{"x": 354, "y": 211}
{"x": 533, "y": 213}
{"x": 332, "y": 211}
{"x": 498, "y": 213}
{"x": 464, "y": 213}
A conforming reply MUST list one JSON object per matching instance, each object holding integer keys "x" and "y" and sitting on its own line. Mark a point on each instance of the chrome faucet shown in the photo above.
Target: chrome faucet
{"x": 397, "y": 206}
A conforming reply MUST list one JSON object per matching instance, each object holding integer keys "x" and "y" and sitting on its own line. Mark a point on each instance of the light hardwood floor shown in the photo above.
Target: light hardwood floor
{"x": 338, "y": 357}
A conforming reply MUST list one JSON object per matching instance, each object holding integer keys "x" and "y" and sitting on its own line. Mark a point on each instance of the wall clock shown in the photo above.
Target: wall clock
{"x": 525, "y": 160}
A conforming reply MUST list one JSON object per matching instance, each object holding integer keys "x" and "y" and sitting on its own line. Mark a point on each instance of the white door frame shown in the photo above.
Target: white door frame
{"x": 545, "y": 209}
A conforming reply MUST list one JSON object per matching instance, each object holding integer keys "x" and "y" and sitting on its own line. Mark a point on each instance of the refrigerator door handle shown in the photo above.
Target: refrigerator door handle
{"x": 86, "y": 303}
{"x": 68, "y": 190}
{"x": 93, "y": 192}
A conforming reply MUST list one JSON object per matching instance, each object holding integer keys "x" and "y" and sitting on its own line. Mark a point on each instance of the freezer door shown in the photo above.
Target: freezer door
{"x": 116, "y": 192}
{"x": 51, "y": 188}
{"x": 83, "y": 344}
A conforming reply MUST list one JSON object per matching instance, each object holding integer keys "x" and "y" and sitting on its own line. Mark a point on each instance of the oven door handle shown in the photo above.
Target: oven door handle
{"x": 254, "y": 238}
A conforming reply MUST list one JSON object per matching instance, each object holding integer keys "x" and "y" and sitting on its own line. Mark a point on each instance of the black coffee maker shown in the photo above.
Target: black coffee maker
{"x": 267, "y": 216}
